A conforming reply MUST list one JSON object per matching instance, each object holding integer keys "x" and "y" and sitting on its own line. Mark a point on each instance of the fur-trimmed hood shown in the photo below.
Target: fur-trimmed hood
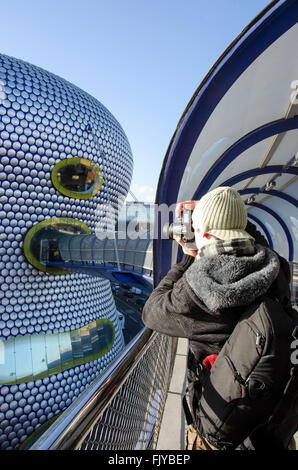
{"x": 224, "y": 281}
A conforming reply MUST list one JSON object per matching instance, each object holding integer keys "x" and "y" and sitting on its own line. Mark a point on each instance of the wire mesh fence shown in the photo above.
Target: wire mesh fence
{"x": 132, "y": 419}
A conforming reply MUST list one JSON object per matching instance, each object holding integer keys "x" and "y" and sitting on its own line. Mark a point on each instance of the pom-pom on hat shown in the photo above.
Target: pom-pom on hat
{"x": 222, "y": 213}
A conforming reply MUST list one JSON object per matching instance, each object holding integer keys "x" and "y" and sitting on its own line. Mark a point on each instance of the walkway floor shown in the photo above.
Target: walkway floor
{"x": 172, "y": 432}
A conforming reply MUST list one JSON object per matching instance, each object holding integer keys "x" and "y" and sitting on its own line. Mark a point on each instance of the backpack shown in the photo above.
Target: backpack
{"x": 249, "y": 397}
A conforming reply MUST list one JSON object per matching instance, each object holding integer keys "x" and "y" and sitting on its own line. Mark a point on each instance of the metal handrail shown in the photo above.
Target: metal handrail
{"x": 70, "y": 429}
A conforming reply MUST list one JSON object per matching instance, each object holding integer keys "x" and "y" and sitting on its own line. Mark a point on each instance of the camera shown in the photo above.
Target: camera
{"x": 182, "y": 227}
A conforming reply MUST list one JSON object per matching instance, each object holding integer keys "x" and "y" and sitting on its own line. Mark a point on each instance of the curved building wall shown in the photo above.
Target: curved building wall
{"x": 43, "y": 120}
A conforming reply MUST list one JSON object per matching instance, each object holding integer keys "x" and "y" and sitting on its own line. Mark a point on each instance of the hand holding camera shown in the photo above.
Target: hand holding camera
{"x": 182, "y": 230}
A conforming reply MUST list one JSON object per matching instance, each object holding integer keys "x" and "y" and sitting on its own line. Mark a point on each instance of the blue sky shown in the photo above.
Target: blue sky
{"x": 142, "y": 59}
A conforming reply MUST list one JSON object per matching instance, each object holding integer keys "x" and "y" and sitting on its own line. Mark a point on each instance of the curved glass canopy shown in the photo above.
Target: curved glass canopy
{"x": 240, "y": 129}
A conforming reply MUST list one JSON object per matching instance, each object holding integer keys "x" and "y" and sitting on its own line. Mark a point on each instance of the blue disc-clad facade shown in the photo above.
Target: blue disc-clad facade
{"x": 57, "y": 331}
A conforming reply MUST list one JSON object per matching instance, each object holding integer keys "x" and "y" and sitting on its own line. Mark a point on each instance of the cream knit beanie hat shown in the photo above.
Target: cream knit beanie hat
{"x": 222, "y": 213}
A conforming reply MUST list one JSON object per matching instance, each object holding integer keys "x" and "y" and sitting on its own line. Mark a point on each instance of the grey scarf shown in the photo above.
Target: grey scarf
{"x": 225, "y": 280}
{"x": 235, "y": 246}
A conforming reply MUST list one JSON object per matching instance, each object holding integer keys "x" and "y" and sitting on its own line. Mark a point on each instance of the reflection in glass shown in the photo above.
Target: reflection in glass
{"x": 41, "y": 241}
{"x": 39, "y": 361}
{"x": 77, "y": 177}
{"x": 94, "y": 337}
{"x": 65, "y": 349}
{"x": 8, "y": 369}
{"x": 23, "y": 360}
{"x": 33, "y": 357}
{"x": 76, "y": 344}
{"x": 53, "y": 353}
{"x": 86, "y": 341}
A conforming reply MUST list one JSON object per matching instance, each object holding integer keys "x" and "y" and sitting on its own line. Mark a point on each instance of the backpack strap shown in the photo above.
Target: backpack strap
{"x": 290, "y": 395}
{"x": 187, "y": 412}
{"x": 197, "y": 375}
{"x": 283, "y": 422}
{"x": 200, "y": 371}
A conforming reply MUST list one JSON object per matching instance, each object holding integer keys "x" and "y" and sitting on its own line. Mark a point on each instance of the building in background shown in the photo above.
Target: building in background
{"x": 136, "y": 218}
{"x": 63, "y": 155}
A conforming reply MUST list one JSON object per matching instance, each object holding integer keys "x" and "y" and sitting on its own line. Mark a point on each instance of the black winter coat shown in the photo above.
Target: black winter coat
{"x": 179, "y": 306}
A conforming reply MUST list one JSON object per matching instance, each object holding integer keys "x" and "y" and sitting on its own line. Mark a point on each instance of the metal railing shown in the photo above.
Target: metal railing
{"x": 122, "y": 408}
